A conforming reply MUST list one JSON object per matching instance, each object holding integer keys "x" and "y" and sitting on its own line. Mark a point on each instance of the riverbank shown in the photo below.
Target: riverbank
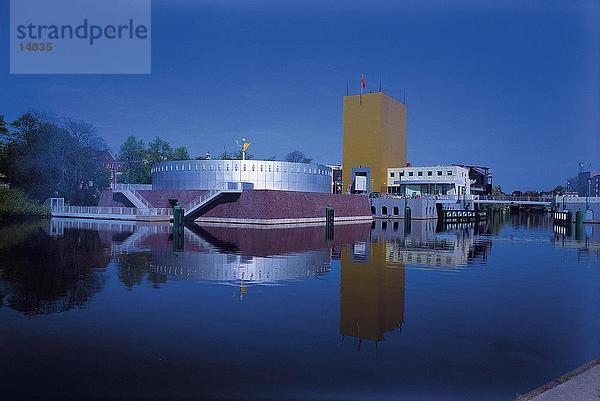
{"x": 578, "y": 385}
{"x": 16, "y": 205}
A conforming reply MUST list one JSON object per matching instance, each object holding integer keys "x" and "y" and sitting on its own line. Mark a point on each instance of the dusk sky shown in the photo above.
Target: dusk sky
{"x": 510, "y": 85}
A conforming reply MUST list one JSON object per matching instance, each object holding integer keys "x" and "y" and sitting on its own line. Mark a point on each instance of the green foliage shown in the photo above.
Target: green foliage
{"x": 497, "y": 190}
{"x": 14, "y": 204}
{"x": 48, "y": 157}
{"x": 180, "y": 153}
{"x": 137, "y": 159}
{"x": 297, "y": 157}
{"x": 134, "y": 161}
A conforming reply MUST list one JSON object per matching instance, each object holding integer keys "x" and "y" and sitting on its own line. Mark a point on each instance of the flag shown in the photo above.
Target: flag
{"x": 363, "y": 85}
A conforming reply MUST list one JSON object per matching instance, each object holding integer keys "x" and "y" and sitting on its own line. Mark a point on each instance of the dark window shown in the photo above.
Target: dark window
{"x": 420, "y": 174}
{"x": 392, "y": 174}
{"x": 384, "y": 225}
{"x": 410, "y": 173}
{"x": 384, "y": 210}
{"x": 429, "y": 173}
{"x": 439, "y": 173}
{"x": 396, "y": 211}
{"x": 372, "y": 209}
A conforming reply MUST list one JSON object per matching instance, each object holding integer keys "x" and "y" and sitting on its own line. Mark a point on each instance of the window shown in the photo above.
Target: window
{"x": 227, "y": 167}
{"x": 439, "y": 172}
{"x": 203, "y": 168}
{"x": 235, "y": 167}
{"x": 384, "y": 210}
{"x": 244, "y": 168}
{"x": 189, "y": 167}
{"x": 269, "y": 169}
{"x": 253, "y": 167}
{"x": 430, "y": 173}
{"x": 219, "y": 167}
{"x": 261, "y": 168}
{"x": 402, "y": 174}
{"x": 196, "y": 167}
{"x": 449, "y": 172}
{"x": 176, "y": 167}
{"x": 392, "y": 174}
{"x": 276, "y": 169}
{"x": 373, "y": 211}
{"x": 420, "y": 174}
{"x": 211, "y": 167}
{"x": 410, "y": 173}
{"x": 396, "y": 211}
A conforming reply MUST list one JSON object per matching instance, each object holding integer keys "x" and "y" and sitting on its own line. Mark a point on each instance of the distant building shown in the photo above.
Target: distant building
{"x": 435, "y": 180}
{"x": 110, "y": 164}
{"x": 337, "y": 186}
{"x": 374, "y": 139}
{"x": 588, "y": 183}
{"x": 481, "y": 179}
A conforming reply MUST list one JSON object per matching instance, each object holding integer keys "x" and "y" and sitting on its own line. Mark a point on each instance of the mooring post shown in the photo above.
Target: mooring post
{"x": 329, "y": 223}
{"x": 178, "y": 226}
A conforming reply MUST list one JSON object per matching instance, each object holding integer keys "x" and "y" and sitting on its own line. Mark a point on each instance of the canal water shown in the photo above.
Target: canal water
{"x": 115, "y": 310}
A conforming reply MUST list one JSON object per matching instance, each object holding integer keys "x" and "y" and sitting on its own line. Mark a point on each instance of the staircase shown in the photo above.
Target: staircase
{"x": 209, "y": 196}
{"x": 131, "y": 192}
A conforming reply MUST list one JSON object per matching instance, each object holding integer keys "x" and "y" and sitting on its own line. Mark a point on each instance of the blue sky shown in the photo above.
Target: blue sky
{"x": 510, "y": 85}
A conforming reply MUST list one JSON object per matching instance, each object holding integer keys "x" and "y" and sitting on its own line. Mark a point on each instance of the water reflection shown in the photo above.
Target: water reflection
{"x": 54, "y": 266}
{"x": 41, "y": 274}
{"x": 371, "y": 292}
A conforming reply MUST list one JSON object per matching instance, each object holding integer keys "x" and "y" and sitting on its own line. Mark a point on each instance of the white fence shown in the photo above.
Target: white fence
{"x": 131, "y": 211}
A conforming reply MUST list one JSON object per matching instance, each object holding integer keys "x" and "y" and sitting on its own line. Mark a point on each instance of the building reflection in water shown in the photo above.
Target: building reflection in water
{"x": 371, "y": 292}
{"x": 455, "y": 246}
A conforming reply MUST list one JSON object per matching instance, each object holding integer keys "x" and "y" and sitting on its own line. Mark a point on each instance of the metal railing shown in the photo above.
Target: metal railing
{"x": 221, "y": 187}
{"x": 161, "y": 211}
{"x": 137, "y": 187}
{"x": 133, "y": 190}
{"x": 546, "y": 199}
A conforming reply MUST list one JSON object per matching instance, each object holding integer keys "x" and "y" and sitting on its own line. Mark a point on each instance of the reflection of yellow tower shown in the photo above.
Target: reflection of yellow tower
{"x": 371, "y": 292}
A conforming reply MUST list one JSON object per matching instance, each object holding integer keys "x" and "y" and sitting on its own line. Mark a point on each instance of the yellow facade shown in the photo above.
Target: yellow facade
{"x": 374, "y": 136}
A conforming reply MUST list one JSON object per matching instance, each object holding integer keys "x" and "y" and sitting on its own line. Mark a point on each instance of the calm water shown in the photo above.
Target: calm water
{"x": 114, "y": 310}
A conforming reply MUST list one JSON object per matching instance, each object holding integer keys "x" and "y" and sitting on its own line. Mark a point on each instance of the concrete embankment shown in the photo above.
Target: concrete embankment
{"x": 581, "y": 384}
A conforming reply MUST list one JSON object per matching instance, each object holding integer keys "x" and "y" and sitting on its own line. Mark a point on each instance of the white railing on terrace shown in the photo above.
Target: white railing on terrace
{"x": 516, "y": 198}
{"x": 130, "y": 187}
{"x": 578, "y": 199}
{"x": 163, "y": 211}
{"x": 221, "y": 187}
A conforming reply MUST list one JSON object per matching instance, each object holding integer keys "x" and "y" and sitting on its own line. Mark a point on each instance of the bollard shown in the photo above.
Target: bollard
{"x": 407, "y": 218}
{"x": 178, "y": 226}
{"x": 579, "y": 225}
{"x": 329, "y": 223}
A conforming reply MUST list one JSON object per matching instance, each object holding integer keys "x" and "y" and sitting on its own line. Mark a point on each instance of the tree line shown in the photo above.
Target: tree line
{"x": 50, "y": 156}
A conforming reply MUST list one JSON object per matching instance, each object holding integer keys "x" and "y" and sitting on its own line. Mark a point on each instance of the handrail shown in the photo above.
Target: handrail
{"x": 220, "y": 187}
{"x": 161, "y": 211}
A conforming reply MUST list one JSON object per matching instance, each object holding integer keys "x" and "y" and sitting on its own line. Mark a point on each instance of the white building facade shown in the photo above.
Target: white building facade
{"x": 435, "y": 180}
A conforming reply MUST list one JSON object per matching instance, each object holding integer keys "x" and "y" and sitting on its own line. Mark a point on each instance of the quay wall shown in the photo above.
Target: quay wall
{"x": 281, "y": 207}
{"x": 590, "y": 207}
{"x": 393, "y": 208}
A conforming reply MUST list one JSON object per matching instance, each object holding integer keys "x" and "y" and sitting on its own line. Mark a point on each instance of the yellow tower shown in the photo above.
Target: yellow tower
{"x": 374, "y": 140}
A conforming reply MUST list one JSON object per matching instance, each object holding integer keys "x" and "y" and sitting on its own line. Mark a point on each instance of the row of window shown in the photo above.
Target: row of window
{"x": 304, "y": 170}
{"x": 420, "y": 173}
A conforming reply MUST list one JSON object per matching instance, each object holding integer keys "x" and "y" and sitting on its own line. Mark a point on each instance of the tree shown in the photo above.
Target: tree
{"x": 497, "y": 190}
{"x": 3, "y": 129}
{"x": 44, "y": 158}
{"x": 132, "y": 155}
{"x": 297, "y": 157}
{"x": 558, "y": 190}
{"x": 180, "y": 153}
{"x": 158, "y": 150}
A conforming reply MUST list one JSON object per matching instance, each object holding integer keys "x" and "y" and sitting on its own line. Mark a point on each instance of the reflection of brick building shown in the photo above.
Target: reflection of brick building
{"x": 371, "y": 292}
{"x": 111, "y": 165}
